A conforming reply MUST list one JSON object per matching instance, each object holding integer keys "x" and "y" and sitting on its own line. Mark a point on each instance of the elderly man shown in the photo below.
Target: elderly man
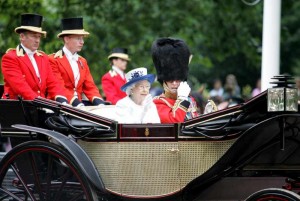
{"x": 171, "y": 59}
{"x": 26, "y": 70}
{"x": 114, "y": 79}
{"x": 72, "y": 70}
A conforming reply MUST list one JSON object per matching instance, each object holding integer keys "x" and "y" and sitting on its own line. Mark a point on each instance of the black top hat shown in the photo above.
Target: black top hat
{"x": 31, "y": 22}
{"x": 71, "y": 26}
{"x": 171, "y": 59}
{"x": 119, "y": 52}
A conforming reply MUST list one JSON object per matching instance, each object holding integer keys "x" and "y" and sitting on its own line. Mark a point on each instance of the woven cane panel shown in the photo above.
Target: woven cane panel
{"x": 105, "y": 155}
{"x": 152, "y": 168}
{"x": 136, "y": 169}
{"x": 148, "y": 169}
{"x": 197, "y": 157}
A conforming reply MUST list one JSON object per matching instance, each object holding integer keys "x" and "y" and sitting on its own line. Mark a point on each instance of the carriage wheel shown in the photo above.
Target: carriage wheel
{"x": 40, "y": 170}
{"x": 273, "y": 194}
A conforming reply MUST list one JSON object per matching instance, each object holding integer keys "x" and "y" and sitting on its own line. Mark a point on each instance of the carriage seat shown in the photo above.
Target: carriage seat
{"x": 107, "y": 111}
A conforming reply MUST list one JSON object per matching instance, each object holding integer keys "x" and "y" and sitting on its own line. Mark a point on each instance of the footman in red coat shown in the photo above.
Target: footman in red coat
{"x": 71, "y": 69}
{"x": 26, "y": 70}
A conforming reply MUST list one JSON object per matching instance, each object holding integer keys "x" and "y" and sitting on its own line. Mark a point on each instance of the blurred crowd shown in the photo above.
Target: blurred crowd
{"x": 225, "y": 93}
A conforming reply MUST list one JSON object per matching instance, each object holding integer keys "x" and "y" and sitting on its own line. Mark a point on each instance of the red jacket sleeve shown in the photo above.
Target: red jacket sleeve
{"x": 112, "y": 88}
{"x": 56, "y": 73}
{"x": 15, "y": 79}
{"x": 54, "y": 89}
{"x": 89, "y": 87}
{"x": 171, "y": 111}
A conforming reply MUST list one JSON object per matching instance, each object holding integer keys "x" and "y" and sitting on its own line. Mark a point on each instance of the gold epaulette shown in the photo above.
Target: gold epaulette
{"x": 59, "y": 54}
{"x": 113, "y": 73}
{"x": 20, "y": 51}
{"x": 40, "y": 52}
{"x": 9, "y": 49}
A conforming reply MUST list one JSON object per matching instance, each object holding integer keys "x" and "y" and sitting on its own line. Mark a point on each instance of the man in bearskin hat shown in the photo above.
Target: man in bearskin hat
{"x": 71, "y": 69}
{"x": 26, "y": 70}
{"x": 171, "y": 59}
{"x": 114, "y": 79}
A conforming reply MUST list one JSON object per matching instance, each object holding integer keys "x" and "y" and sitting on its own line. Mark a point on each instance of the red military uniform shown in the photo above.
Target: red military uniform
{"x": 175, "y": 111}
{"x": 20, "y": 78}
{"x": 64, "y": 73}
{"x": 111, "y": 86}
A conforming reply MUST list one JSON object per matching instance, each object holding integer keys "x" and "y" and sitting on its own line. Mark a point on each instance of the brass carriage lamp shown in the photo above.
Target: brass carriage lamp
{"x": 283, "y": 97}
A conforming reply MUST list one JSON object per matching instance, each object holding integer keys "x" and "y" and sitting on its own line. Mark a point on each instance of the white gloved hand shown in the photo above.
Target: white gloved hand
{"x": 47, "y": 110}
{"x": 183, "y": 91}
{"x": 80, "y": 105}
{"x": 147, "y": 101}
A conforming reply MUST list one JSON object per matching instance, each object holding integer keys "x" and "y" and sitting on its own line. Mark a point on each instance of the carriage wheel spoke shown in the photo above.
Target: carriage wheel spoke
{"x": 29, "y": 192}
{"x": 35, "y": 175}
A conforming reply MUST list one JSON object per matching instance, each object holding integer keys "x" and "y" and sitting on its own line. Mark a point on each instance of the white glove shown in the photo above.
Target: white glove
{"x": 47, "y": 110}
{"x": 80, "y": 105}
{"x": 147, "y": 102}
{"x": 183, "y": 91}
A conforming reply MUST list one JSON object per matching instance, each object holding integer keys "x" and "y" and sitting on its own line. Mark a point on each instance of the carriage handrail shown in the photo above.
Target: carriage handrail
{"x": 75, "y": 112}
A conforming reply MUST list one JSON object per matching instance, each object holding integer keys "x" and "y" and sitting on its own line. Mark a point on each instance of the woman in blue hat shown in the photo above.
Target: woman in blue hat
{"x": 137, "y": 106}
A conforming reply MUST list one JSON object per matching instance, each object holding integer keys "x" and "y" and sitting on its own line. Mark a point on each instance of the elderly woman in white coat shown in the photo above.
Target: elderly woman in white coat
{"x": 137, "y": 106}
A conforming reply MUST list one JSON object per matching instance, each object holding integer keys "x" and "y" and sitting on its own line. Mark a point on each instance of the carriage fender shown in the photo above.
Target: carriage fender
{"x": 84, "y": 161}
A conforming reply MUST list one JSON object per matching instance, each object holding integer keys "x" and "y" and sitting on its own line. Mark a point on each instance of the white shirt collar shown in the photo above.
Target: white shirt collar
{"x": 28, "y": 51}
{"x": 120, "y": 72}
{"x": 69, "y": 54}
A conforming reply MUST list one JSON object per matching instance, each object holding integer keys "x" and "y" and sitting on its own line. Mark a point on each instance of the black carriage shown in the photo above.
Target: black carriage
{"x": 62, "y": 153}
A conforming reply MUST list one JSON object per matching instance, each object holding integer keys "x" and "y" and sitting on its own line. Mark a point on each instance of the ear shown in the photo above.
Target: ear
{"x": 22, "y": 35}
{"x": 66, "y": 39}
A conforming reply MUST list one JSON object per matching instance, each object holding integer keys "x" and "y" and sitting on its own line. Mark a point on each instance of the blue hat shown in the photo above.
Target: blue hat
{"x": 136, "y": 75}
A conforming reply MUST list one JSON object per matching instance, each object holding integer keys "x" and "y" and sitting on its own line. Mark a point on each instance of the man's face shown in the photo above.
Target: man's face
{"x": 74, "y": 43}
{"x": 31, "y": 40}
{"x": 120, "y": 63}
{"x": 173, "y": 85}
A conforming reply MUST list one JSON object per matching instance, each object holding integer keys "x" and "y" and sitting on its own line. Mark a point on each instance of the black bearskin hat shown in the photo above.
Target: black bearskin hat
{"x": 171, "y": 59}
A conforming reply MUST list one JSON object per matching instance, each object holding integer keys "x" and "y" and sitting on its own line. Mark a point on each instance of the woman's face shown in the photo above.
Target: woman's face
{"x": 140, "y": 91}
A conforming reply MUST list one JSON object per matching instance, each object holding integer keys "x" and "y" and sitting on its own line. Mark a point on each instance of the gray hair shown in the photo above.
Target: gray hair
{"x": 129, "y": 88}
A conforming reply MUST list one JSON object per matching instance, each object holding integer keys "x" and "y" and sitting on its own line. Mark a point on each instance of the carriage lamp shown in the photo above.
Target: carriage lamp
{"x": 283, "y": 96}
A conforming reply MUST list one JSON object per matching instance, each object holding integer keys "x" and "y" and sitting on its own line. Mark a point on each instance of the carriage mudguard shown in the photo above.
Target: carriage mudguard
{"x": 81, "y": 157}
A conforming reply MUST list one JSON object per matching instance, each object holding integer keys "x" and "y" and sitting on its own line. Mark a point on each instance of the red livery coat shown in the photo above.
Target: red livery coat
{"x": 175, "y": 111}
{"x": 20, "y": 78}
{"x": 111, "y": 86}
{"x": 64, "y": 73}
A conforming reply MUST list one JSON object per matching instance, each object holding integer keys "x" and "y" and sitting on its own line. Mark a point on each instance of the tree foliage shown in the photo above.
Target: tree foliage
{"x": 224, "y": 36}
